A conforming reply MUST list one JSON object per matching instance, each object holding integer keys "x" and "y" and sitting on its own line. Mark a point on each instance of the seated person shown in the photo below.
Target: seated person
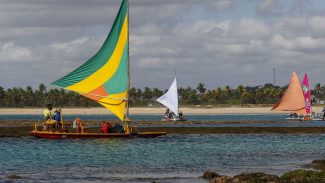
{"x": 172, "y": 115}
{"x": 166, "y": 114}
{"x": 78, "y": 125}
{"x": 296, "y": 115}
{"x": 105, "y": 127}
{"x": 116, "y": 128}
{"x": 180, "y": 114}
{"x": 291, "y": 115}
{"x": 57, "y": 116}
{"x": 48, "y": 121}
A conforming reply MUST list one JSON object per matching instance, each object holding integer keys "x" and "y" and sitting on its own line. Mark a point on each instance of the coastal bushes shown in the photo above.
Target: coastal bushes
{"x": 296, "y": 176}
{"x": 303, "y": 176}
{"x": 267, "y": 94}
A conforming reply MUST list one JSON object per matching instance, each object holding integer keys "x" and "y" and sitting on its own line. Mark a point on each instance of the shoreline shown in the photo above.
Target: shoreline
{"x": 152, "y": 111}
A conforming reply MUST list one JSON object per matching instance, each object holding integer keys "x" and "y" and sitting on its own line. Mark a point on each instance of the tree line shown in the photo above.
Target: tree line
{"x": 267, "y": 94}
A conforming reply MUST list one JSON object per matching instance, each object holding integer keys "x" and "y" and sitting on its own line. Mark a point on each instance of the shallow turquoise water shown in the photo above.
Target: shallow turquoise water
{"x": 171, "y": 158}
{"x": 217, "y": 117}
{"x": 218, "y": 120}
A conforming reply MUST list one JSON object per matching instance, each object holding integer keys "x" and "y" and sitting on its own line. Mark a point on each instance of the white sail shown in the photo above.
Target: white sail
{"x": 170, "y": 98}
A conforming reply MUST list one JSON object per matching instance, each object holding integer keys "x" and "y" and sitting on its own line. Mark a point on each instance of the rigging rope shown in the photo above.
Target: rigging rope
{"x": 82, "y": 93}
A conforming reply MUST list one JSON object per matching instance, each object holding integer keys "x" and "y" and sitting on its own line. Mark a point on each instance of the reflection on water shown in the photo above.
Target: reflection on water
{"x": 172, "y": 158}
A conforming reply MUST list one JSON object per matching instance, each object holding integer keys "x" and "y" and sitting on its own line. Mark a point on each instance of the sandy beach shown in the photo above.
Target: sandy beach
{"x": 154, "y": 110}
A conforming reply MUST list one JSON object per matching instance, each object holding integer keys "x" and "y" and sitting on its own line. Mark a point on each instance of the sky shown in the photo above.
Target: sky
{"x": 217, "y": 42}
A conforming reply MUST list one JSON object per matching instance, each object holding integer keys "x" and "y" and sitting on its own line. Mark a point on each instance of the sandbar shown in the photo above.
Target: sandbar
{"x": 153, "y": 110}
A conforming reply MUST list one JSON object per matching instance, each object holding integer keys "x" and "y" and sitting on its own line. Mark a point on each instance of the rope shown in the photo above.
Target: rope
{"x": 82, "y": 93}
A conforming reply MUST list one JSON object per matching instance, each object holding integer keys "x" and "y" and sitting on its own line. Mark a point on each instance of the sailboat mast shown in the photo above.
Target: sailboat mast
{"x": 128, "y": 89}
{"x": 177, "y": 91}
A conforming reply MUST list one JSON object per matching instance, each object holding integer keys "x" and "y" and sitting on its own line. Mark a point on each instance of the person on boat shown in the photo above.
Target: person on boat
{"x": 117, "y": 128}
{"x": 57, "y": 116}
{"x": 106, "y": 127}
{"x": 167, "y": 113}
{"x": 180, "y": 114}
{"x": 172, "y": 115}
{"x": 323, "y": 111}
{"x": 48, "y": 121}
{"x": 78, "y": 125}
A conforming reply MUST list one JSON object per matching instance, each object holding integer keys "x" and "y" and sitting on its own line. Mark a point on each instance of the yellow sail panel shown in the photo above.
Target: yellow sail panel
{"x": 108, "y": 70}
{"x": 293, "y": 99}
{"x": 114, "y": 105}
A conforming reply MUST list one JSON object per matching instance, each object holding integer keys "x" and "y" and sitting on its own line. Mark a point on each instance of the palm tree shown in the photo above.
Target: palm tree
{"x": 246, "y": 98}
{"x": 2, "y": 97}
{"x": 200, "y": 87}
{"x": 29, "y": 96}
{"x": 228, "y": 91}
{"x": 156, "y": 93}
{"x": 217, "y": 95}
{"x": 132, "y": 96}
{"x": 318, "y": 92}
{"x": 147, "y": 94}
{"x": 193, "y": 98}
{"x": 139, "y": 94}
{"x": 240, "y": 90}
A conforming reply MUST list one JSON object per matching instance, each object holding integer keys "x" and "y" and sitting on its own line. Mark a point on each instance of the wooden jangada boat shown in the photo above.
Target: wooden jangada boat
{"x": 170, "y": 100}
{"x": 296, "y": 100}
{"x": 104, "y": 78}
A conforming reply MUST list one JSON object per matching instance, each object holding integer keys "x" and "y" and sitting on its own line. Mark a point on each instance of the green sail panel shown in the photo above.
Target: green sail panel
{"x": 101, "y": 57}
{"x": 119, "y": 81}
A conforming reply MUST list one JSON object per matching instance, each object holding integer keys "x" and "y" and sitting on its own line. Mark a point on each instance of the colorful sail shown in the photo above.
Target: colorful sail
{"x": 293, "y": 99}
{"x": 170, "y": 98}
{"x": 104, "y": 77}
{"x": 306, "y": 90}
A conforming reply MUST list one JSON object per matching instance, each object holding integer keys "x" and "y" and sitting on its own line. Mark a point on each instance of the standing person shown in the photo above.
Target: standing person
{"x": 48, "y": 121}
{"x": 58, "y": 117}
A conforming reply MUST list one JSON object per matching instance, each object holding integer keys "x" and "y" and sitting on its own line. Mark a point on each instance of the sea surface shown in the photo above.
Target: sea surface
{"x": 166, "y": 159}
{"x": 154, "y": 117}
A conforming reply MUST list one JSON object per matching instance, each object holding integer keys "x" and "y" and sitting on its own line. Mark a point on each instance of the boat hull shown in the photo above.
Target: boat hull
{"x": 303, "y": 119}
{"x": 172, "y": 119}
{"x": 58, "y": 135}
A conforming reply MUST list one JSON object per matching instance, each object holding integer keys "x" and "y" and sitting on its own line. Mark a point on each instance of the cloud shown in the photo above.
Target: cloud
{"x": 9, "y": 52}
{"x": 207, "y": 41}
{"x": 268, "y": 7}
{"x": 221, "y": 5}
{"x": 69, "y": 48}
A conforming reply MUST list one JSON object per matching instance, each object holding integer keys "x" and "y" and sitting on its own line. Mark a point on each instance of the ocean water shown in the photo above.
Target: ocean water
{"x": 166, "y": 159}
{"x": 151, "y": 117}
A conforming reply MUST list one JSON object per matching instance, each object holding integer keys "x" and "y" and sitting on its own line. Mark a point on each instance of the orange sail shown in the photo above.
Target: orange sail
{"x": 293, "y": 99}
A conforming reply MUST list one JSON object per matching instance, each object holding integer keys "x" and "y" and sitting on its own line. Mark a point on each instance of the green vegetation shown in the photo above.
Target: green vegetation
{"x": 303, "y": 176}
{"x": 267, "y": 94}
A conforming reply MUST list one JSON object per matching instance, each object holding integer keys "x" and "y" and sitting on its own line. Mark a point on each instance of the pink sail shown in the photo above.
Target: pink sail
{"x": 306, "y": 91}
